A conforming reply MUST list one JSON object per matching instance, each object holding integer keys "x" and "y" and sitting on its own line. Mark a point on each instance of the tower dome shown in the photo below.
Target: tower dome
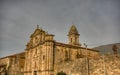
{"x": 73, "y": 30}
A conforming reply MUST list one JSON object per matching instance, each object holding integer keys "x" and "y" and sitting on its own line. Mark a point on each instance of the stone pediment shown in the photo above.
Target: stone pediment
{"x": 36, "y": 32}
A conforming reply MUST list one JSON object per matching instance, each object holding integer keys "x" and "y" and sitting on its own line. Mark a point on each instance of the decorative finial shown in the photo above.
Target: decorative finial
{"x": 37, "y": 26}
{"x": 72, "y": 23}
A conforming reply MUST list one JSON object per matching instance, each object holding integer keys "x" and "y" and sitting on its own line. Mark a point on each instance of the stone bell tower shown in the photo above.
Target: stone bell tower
{"x": 73, "y": 36}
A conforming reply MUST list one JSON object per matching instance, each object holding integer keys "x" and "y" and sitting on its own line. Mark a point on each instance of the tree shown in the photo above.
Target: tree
{"x": 114, "y": 48}
{"x": 61, "y": 73}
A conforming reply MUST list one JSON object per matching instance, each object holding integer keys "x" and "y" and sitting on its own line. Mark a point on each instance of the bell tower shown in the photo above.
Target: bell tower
{"x": 73, "y": 36}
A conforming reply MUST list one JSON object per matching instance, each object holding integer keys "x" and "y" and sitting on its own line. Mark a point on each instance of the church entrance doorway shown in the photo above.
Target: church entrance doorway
{"x": 35, "y": 72}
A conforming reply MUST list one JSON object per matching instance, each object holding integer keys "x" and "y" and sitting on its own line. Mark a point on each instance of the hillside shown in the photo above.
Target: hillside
{"x": 107, "y": 48}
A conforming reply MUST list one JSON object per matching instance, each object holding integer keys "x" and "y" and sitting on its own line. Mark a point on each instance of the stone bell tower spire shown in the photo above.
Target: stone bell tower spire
{"x": 73, "y": 36}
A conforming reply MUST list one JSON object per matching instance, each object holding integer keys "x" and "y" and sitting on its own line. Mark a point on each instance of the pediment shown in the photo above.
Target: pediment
{"x": 36, "y": 32}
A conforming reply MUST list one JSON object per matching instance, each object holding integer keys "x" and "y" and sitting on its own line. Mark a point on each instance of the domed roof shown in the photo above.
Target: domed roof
{"x": 73, "y": 30}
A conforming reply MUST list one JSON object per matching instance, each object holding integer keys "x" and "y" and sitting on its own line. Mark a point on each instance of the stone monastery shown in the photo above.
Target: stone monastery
{"x": 43, "y": 54}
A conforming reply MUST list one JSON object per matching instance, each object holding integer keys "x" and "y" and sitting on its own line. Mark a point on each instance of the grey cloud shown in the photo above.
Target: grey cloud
{"x": 96, "y": 20}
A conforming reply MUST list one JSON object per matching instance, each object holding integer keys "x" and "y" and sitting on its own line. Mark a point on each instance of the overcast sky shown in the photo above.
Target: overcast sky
{"x": 98, "y": 21}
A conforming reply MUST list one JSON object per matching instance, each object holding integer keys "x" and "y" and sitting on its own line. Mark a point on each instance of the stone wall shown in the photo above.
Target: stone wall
{"x": 108, "y": 64}
{"x": 103, "y": 65}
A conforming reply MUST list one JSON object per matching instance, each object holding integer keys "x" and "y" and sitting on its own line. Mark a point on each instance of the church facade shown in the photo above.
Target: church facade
{"x": 43, "y": 53}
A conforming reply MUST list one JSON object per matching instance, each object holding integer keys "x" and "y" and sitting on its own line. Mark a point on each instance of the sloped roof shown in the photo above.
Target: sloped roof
{"x": 74, "y": 46}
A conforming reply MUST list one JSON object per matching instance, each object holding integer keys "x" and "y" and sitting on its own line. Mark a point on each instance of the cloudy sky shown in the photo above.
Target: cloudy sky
{"x": 98, "y": 21}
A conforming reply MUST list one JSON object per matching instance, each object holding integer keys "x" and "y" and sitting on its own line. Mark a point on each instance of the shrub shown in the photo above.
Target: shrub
{"x": 61, "y": 73}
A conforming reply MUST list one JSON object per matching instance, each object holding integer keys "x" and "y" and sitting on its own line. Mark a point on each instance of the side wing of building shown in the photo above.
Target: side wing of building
{"x": 66, "y": 52}
{"x": 12, "y": 65}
